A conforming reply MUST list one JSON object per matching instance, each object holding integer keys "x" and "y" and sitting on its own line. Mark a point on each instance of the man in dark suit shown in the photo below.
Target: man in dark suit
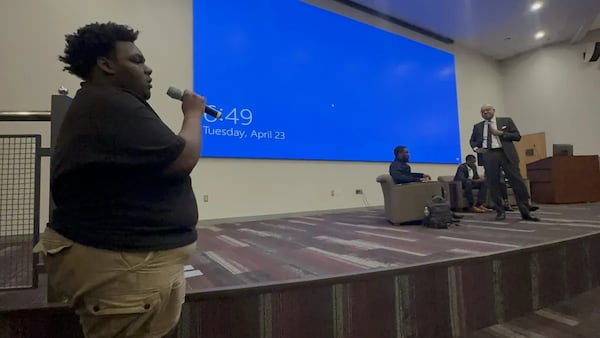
{"x": 467, "y": 174}
{"x": 492, "y": 139}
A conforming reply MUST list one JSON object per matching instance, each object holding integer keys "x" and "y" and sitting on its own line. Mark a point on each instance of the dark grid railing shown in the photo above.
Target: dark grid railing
{"x": 19, "y": 209}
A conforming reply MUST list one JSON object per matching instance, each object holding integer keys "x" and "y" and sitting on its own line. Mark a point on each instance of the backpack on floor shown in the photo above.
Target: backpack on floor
{"x": 438, "y": 214}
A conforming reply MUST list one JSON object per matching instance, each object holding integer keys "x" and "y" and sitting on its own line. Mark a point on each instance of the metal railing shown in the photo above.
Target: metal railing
{"x": 34, "y": 115}
{"x": 20, "y": 158}
{"x": 20, "y": 167}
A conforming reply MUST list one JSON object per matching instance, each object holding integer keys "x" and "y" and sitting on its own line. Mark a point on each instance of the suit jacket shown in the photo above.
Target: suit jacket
{"x": 462, "y": 173}
{"x": 511, "y": 134}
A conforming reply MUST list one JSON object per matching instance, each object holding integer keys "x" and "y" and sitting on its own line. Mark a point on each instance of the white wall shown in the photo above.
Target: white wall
{"x": 553, "y": 90}
{"x": 33, "y": 37}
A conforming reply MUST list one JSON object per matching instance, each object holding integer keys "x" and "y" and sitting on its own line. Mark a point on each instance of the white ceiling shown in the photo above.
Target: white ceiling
{"x": 497, "y": 28}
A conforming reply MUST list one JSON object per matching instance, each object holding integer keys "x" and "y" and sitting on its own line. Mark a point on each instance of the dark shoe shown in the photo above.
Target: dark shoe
{"x": 507, "y": 207}
{"x": 500, "y": 216}
{"x": 457, "y": 216}
{"x": 533, "y": 207}
{"x": 530, "y": 217}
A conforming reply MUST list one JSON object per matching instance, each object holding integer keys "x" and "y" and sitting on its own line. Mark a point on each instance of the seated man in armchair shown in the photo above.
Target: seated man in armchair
{"x": 400, "y": 170}
{"x": 402, "y": 173}
{"x": 467, "y": 174}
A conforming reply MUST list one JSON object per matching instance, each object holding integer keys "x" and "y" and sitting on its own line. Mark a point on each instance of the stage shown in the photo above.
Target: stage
{"x": 352, "y": 274}
{"x": 308, "y": 247}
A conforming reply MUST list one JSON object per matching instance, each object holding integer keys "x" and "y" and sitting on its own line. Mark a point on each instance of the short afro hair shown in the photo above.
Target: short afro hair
{"x": 399, "y": 150}
{"x": 90, "y": 42}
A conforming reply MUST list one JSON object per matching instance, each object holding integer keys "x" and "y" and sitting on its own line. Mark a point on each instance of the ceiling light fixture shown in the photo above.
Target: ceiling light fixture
{"x": 540, "y": 35}
{"x": 536, "y": 6}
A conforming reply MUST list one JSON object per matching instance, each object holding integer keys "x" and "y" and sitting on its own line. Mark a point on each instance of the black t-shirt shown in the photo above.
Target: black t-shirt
{"x": 108, "y": 180}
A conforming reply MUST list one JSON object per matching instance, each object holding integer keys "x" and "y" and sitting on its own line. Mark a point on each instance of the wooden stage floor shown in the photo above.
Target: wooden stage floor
{"x": 242, "y": 254}
{"x": 310, "y": 247}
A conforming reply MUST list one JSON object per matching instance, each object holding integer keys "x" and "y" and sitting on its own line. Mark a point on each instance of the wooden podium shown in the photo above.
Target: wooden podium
{"x": 565, "y": 179}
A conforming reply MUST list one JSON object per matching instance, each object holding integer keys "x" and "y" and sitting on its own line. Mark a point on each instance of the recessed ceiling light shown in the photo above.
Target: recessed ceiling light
{"x": 536, "y": 6}
{"x": 540, "y": 35}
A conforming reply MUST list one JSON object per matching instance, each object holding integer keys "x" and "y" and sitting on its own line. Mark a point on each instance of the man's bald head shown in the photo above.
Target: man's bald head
{"x": 487, "y": 111}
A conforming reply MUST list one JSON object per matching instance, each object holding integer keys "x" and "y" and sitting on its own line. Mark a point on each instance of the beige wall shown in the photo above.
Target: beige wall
{"x": 33, "y": 36}
{"x": 553, "y": 90}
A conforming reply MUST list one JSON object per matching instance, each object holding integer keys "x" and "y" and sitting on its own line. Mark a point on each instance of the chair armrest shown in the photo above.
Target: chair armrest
{"x": 453, "y": 192}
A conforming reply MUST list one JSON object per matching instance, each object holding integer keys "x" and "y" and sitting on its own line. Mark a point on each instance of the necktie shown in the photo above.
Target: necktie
{"x": 489, "y": 135}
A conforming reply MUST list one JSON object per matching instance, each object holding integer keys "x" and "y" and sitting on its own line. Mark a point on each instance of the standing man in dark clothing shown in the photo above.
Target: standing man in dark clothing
{"x": 467, "y": 174}
{"x": 400, "y": 170}
{"x": 492, "y": 139}
{"x": 125, "y": 217}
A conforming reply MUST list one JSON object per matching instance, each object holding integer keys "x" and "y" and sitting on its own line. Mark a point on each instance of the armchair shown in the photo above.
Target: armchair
{"x": 406, "y": 202}
{"x": 454, "y": 192}
{"x": 456, "y": 197}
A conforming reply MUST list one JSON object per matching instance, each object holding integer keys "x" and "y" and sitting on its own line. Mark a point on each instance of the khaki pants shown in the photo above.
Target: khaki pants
{"x": 117, "y": 294}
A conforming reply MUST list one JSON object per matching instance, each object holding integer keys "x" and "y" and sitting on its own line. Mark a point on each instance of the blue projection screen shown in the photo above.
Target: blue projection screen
{"x": 295, "y": 81}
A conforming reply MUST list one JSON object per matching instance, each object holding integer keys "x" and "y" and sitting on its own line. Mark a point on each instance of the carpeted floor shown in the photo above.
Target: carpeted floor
{"x": 576, "y": 317}
{"x": 328, "y": 244}
{"x": 247, "y": 253}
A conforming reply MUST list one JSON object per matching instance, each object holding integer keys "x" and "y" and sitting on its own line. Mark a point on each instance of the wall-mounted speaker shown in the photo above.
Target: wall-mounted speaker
{"x": 591, "y": 53}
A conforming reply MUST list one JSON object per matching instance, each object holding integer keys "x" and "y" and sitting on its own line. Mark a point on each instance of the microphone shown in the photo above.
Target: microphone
{"x": 177, "y": 94}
